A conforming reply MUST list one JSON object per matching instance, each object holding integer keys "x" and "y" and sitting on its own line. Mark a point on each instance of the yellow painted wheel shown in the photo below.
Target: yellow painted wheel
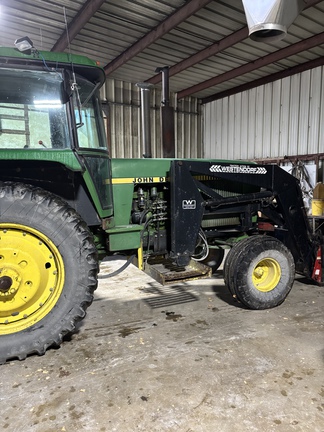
{"x": 259, "y": 271}
{"x": 31, "y": 277}
{"x": 266, "y": 274}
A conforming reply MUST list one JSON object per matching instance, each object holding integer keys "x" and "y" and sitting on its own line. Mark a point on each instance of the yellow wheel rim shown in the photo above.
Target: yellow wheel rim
{"x": 266, "y": 275}
{"x": 31, "y": 277}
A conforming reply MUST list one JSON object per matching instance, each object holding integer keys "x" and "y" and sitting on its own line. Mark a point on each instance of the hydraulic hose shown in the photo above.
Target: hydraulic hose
{"x": 118, "y": 271}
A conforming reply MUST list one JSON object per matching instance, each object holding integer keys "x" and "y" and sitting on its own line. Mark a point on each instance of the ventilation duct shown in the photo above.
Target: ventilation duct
{"x": 268, "y": 20}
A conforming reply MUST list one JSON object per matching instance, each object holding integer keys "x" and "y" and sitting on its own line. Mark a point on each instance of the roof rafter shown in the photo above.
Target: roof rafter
{"x": 296, "y": 48}
{"x": 164, "y": 27}
{"x": 79, "y": 21}
{"x": 213, "y": 49}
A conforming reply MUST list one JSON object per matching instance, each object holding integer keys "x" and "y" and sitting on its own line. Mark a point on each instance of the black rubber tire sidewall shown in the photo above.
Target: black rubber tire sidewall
{"x": 229, "y": 267}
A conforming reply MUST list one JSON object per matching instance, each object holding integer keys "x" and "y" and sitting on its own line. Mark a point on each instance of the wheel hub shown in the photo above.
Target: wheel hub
{"x": 31, "y": 277}
{"x": 259, "y": 272}
{"x": 9, "y": 282}
{"x": 5, "y": 283}
{"x": 266, "y": 274}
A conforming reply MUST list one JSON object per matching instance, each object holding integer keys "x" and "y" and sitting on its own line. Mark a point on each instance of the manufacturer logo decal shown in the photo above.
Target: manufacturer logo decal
{"x": 238, "y": 169}
{"x": 189, "y": 204}
{"x": 149, "y": 180}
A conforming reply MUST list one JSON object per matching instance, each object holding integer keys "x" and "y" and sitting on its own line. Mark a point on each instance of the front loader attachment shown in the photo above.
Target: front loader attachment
{"x": 258, "y": 195}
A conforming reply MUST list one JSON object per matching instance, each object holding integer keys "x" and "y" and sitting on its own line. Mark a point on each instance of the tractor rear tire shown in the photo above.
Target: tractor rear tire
{"x": 48, "y": 270}
{"x": 259, "y": 272}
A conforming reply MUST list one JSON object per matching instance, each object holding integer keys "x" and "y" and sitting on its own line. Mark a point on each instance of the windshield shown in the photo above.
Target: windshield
{"x": 32, "y": 115}
{"x": 88, "y": 115}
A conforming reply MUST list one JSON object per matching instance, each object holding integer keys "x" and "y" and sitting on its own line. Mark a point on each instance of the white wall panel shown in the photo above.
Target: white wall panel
{"x": 244, "y": 122}
{"x": 250, "y": 145}
{"x": 315, "y": 109}
{"x": 304, "y": 105}
{"x": 224, "y": 129}
{"x": 294, "y": 83}
{"x": 283, "y": 118}
{"x": 123, "y": 119}
{"x": 275, "y": 110}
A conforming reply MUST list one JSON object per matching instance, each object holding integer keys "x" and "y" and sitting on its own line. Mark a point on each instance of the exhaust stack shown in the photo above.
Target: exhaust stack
{"x": 145, "y": 117}
{"x": 268, "y": 20}
{"x": 167, "y": 116}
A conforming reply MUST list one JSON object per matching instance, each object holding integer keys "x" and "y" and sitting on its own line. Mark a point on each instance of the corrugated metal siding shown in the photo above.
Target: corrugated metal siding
{"x": 124, "y": 122}
{"x": 283, "y": 118}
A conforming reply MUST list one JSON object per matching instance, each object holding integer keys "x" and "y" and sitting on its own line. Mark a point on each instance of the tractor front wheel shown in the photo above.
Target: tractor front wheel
{"x": 48, "y": 270}
{"x": 259, "y": 271}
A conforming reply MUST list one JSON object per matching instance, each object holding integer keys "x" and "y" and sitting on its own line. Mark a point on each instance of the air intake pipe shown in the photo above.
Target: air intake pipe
{"x": 268, "y": 20}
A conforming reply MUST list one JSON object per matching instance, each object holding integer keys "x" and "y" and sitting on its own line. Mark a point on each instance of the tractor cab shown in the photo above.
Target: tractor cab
{"x": 51, "y": 128}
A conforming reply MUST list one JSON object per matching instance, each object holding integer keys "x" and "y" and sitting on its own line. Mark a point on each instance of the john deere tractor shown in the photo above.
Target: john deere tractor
{"x": 64, "y": 205}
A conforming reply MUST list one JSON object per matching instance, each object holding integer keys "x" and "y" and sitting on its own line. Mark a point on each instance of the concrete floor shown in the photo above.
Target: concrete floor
{"x": 185, "y": 358}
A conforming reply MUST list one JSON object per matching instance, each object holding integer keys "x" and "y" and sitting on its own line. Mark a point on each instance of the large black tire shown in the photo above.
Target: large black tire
{"x": 259, "y": 272}
{"x": 48, "y": 270}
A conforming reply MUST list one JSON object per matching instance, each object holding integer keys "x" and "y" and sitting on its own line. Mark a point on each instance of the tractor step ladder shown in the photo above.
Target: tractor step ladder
{"x": 164, "y": 271}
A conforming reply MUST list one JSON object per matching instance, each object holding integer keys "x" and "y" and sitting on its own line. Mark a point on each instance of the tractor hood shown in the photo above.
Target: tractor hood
{"x": 268, "y": 20}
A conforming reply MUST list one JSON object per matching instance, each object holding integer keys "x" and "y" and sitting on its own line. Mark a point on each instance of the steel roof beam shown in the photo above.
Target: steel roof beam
{"x": 164, "y": 27}
{"x": 276, "y": 56}
{"x": 213, "y": 49}
{"x": 79, "y": 21}
{"x": 266, "y": 80}
{"x": 310, "y": 3}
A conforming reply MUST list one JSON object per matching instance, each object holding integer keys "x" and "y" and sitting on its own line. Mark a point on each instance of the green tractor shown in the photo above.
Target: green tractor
{"x": 64, "y": 205}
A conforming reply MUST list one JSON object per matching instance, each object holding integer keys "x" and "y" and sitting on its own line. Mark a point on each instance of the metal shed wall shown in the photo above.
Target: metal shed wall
{"x": 283, "y": 118}
{"x": 123, "y": 119}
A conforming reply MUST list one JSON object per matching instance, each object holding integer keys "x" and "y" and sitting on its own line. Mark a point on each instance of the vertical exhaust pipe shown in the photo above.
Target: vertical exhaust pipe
{"x": 165, "y": 84}
{"x": 146, "y": 118}
{"x": 167, "y": 116}
{"x": 268, "y": 20}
